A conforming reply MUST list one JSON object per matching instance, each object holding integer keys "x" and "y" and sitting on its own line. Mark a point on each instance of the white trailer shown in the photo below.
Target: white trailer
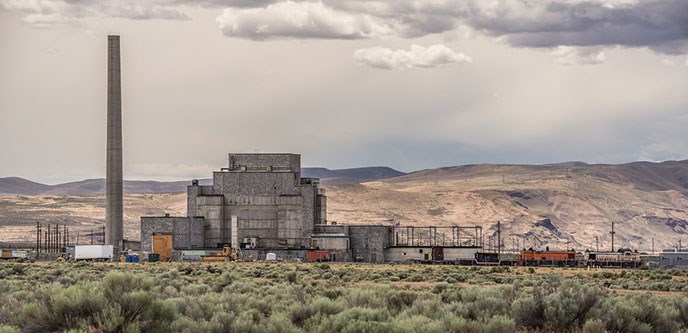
{"x": 90, "y": 252}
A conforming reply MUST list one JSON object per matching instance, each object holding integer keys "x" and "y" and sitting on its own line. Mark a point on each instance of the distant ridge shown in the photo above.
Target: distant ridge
{"x": 20, "y": 186}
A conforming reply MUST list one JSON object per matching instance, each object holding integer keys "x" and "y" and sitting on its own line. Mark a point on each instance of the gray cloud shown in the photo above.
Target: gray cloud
{"x": 46, "y": 13}
{"x": 417, "y": 57}
{"x": 661, "y": 25}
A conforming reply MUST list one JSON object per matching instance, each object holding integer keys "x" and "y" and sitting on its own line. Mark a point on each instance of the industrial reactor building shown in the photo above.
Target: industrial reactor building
{"x": 258, "y": 202}
{"x": 260, "y": 205}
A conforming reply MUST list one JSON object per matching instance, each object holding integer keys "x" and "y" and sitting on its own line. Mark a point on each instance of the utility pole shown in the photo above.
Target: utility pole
{"x": 499, "y": 239}
{"x": 653, "y": 246}
{"x": 612, "y": 233}
{"x": 597, "y": 242}
{"x": 38, "y": 240}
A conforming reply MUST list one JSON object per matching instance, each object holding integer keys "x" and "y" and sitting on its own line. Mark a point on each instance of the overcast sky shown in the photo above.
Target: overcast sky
{"x": 345, "y": 83}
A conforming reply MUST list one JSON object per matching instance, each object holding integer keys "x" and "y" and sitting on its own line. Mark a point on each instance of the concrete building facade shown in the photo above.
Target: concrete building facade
{"x": 258, "y": 201}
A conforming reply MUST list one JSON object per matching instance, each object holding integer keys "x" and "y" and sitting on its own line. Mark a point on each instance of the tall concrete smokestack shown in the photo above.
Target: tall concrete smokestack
{"x": 114, "y": 226}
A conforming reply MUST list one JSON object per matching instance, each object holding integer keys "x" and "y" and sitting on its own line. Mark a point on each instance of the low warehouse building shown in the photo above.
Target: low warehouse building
{"x": 671, "y": 260}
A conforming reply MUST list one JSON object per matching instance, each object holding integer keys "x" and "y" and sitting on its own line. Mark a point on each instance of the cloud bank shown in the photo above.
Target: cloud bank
{"x": 417, "y": 57}
{"x": 297, "y": 20}
{"x": 661, "y": 25}
{"x": 47, "y": 13}
{"x": 582, "y": 25}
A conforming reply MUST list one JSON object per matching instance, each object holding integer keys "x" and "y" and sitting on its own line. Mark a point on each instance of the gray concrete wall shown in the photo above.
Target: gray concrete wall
{"x": 187, "y": 232}
{"x": 262, "y": 161}
{"x": 321, "y": 209}
{"x": 331, "y": 243}
{"x": 192, "y": 192}
{"x": 673, "y": 260}
{"x": 368, "y": 242}
{"x": 212, "y": 209}
{"x": 330, "y": 229}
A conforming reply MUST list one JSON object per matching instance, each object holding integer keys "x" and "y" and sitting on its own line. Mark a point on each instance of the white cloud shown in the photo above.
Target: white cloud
{"x": 668, "y": 62}
{"x": 297, "y": 20}
{"x": 417, "y": 57}
{"x": 687, "y": 60}
{"x": 571, "y": 55}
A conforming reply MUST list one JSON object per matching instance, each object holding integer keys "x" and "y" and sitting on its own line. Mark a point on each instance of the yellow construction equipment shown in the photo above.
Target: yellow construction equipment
{"x": 225, "y": 255}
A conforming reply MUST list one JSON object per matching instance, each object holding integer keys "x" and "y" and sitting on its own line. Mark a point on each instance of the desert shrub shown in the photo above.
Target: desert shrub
{"x": 438, "y": 288}
{"x": 426, "y": 307}
{"x": 593, "y": 326}
{"x": 500, "y": 324}
{"x": 416, "y": 324}
{"x": 365, "y": 298}
{"x": 569, "y": 306}
{"x": 529, "y": 311}
{"x": 681, "y": 306}
{"x": 58, "y": 309}
{"x": 480, "y": 304}
{"x": 357, "y": 319}
{"x": 292, "y": 276}
{"x": 452, "y": 323}
{"x": 639, "y": 313}
{"x": 326, "y": 306}
{"x": 8, "y": 329}
{"x": 195, "y": 289}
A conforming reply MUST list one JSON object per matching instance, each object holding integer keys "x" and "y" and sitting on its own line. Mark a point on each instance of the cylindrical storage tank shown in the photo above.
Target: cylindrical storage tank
{"x": 134, "y": 258}
{"x": 128, "y": 258}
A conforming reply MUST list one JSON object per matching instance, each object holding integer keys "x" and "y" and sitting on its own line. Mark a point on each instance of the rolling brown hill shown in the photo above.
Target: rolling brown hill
{"x": 565, "y": 205}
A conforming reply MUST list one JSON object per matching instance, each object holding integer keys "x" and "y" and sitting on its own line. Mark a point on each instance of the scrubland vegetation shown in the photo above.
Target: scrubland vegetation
{"x": 283, "y": 297}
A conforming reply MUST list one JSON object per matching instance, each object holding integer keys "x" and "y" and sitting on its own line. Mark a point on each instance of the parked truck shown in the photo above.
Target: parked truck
{"x": 90, "y": 252}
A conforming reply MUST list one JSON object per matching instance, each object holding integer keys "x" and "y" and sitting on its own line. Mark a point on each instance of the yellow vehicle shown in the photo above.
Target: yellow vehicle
{"x": 225, "y": 255}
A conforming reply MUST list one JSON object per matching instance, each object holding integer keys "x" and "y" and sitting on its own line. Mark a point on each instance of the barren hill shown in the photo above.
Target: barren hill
{"x": 561, "y": 206}
{"x": 565, "y": 205}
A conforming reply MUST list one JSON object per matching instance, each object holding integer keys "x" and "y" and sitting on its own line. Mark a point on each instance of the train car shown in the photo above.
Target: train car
{"x": 549, "y": 258}
{"x": 623, "y": 258}
{"x": 485, "y": 259}
{"x": 13, "y": 254}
